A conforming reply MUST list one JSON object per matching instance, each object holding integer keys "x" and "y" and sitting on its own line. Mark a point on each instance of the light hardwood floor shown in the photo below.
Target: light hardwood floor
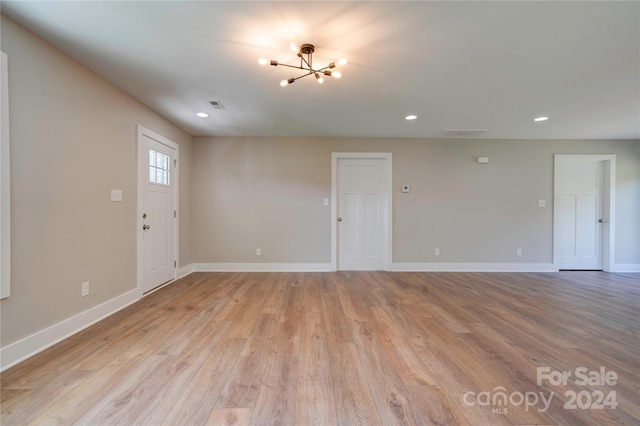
{"x": 345, "y": 348}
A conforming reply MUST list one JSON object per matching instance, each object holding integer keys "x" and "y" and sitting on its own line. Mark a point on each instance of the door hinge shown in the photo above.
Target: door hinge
{"x": 175, "y": 162}
{"x": 174, "y": 214}
{"x": 175, "y": 263}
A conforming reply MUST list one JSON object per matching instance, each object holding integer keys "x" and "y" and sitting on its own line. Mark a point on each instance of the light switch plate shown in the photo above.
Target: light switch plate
{"x": 116, "y": 195}
{"x": 326, "y": 201}
{"x": 542, "y": 203}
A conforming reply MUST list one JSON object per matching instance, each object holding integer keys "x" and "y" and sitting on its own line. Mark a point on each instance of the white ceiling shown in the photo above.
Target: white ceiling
{"x": 457, "y": 65}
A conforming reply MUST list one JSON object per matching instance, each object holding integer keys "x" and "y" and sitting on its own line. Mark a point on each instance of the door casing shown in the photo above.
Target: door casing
{"x": 609, "y": 194}
{"x": 387, "y": 157}
{"x": 142, "y": 176}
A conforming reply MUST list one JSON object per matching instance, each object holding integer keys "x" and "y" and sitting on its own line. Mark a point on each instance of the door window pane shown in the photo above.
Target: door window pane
{"x": 159, "y": 168}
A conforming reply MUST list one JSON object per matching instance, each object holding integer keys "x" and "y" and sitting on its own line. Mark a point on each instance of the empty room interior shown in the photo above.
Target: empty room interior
{"x": 320, "y": 213}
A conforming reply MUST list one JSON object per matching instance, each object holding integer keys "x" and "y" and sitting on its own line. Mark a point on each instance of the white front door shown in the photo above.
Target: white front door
{"x": 579, "y": 216}
{"x": 157, "y": 211}
{"x": 362, "y": 197}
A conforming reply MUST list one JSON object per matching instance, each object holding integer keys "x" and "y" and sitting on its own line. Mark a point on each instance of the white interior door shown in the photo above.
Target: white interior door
{"x": 158, "y": 212}
{"x": 579, "y": 215}
{"x": 362, "y": 197}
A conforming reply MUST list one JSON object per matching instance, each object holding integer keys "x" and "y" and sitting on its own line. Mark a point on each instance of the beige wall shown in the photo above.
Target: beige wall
{"x": 73, "y": 138}
{"x": 267, "y": 192}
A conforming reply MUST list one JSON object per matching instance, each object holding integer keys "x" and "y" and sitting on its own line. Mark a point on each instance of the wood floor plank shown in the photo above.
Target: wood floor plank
{"x": 433, "y": 408}
{"x": 315, "y": 405}
{"x": 228, "y": 417}
{"x": 275, "y": 405}
{"x": 196, "y": 404}
{"x": 347, "y": 348}
{"x": 243, "y": 385}
{"x": 313, "y": 364}
{"x": 23, "y": 411}
{"x": 336, "y": 325}
{"x": 408, "y": 365}
{"x": 354, "y": 402}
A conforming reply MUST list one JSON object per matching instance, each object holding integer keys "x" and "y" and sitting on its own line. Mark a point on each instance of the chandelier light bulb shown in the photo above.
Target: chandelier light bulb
{"x": 284, "y": 83}
{"x": 336, "y": 74}
{"x": 342, "y": 62}
{"x": 319, "y": 78}
{"x": 263, "y": 61}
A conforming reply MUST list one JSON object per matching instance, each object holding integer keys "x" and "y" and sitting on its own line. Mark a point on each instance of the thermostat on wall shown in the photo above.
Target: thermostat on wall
{"x": 405, "y": 188}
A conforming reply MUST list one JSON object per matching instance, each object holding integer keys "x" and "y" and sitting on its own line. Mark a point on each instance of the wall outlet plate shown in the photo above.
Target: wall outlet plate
{"x": 116, "y": 195}
{"x": 405, "y": 188}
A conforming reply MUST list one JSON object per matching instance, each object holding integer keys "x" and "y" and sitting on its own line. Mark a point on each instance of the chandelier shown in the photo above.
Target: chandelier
{"x": 305, "y": 53}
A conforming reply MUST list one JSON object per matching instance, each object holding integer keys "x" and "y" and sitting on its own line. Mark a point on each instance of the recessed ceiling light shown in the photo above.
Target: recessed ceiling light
{"x": 543, "y": 118}
{"x": 411, "y": 117}
{"x": 202, "y": 114}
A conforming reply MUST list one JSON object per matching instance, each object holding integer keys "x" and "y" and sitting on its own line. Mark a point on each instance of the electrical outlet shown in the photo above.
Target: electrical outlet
{"x": 437, "y": 252}
{"x": 116, "y": 195}
{"x": 258, "y": 252}
{"x": 518, "y": 252}
{"x": 85, "y": 289}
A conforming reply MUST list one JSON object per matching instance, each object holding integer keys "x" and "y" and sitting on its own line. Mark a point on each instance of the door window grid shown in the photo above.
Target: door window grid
{"x": 159, "y": 168}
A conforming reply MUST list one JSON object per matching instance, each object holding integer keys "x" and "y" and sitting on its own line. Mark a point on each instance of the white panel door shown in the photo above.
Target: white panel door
{"x": 362, "y": 206}
{"x": 579, "y": 218}
{"x": 158, "y": 213}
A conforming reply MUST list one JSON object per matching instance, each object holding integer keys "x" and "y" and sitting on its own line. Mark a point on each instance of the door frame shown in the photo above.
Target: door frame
{"x": 142, "y": 176}
{"x": 388, "y": 161}
{"x": 608, "y": 202}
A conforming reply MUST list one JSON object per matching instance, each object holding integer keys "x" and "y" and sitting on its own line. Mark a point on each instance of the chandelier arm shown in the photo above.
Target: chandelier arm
{"x": 308, "y": 64}
{"x": 302, "y": 76}
{"x": 291, "y": 66}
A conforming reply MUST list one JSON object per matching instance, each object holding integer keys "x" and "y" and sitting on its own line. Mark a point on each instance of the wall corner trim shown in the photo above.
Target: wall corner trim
{"x": 185, "y": 270}
{"x": 29, "y": 346}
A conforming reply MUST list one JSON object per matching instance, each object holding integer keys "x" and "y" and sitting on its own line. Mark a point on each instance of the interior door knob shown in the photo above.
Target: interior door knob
{"x": 602, "y": 220}
{"x": 339, "y": 219}
{"x": 145, "y": 227}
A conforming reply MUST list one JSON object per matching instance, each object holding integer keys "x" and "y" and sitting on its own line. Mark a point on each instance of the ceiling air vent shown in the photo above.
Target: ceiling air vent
{"x": 216, "y": 105}
{"x": 459, "y": 133}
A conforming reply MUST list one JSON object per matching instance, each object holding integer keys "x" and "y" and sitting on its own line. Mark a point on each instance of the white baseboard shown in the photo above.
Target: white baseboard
{"x": 400, "y": 267}
{"x": 262, "y": 267}
{"x": 627, "y": 267}
{"x": 473, "y": 267}
{"x": 185, "y": 270}
{"x": 16, "y": 352}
